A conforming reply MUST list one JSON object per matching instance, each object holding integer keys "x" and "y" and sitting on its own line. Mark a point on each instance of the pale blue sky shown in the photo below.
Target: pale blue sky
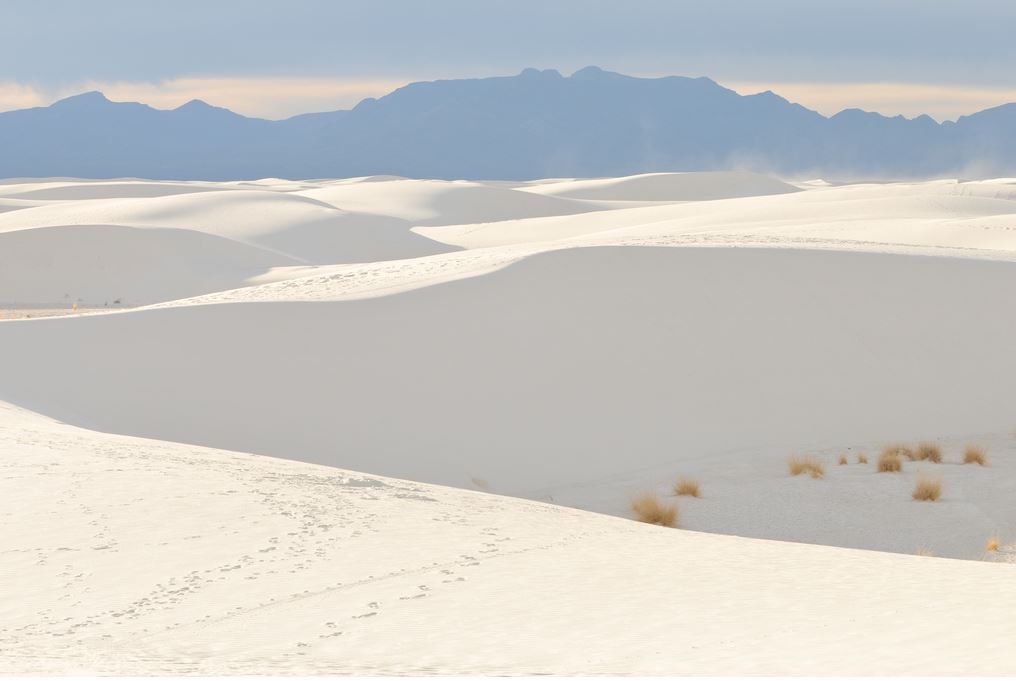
{"x": 941, "y": 56}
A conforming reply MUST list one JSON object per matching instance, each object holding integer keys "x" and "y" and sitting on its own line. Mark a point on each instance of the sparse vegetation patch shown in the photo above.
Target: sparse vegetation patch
{"x": 806, "y": 464}
{"x": 648, "y": 508}
{"x": 928, "y": 451}
{"x": 890, "y": 461}
{"x": 927, "y": 489}
{"x": 686, "y": 487}
{"x": 975, "y": 454}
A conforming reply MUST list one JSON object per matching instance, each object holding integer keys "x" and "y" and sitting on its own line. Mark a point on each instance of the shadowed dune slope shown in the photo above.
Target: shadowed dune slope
{"x": 97, "y": 264}
{"x": 300, "y": 227}
{"x": 564, "y": 367}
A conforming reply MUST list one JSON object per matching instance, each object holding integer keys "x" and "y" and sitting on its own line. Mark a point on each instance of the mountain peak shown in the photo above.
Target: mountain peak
{"x": 92, "y": 98}
{"x": 536, "y": 73}
{"x": 855, "y": 114}
{"x": 195, "y": 105}
{"x": 592, "y": 72}
{"x": 200, "y": 109}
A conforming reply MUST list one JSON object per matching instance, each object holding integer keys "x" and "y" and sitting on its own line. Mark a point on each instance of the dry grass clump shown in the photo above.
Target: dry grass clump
{"x": 925, "y": 551}
{"x": 862, "y": 457}
{"x": 975, "y": 454}
{"x": 806, "y": 464}
{"x": 649, "y": 509}
{"x": 927, "y": 489}
{"x": 890, "y": 461}
{"x": 687, "y": 487}
{"x": 899, "y": 450}
{"x": 927, "y": 451}
{"x": 994, "y": 542}
{"x": 842, "y": 460}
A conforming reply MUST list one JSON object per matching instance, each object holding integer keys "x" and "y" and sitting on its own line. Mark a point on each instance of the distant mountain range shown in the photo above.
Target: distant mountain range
{"x": 536, "y": 124}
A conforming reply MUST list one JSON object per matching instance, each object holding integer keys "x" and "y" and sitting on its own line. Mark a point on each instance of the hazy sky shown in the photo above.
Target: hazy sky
{"x": 277, "y": 58}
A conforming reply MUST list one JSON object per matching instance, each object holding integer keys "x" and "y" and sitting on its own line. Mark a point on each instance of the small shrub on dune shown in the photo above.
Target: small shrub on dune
{"x": 806, "y": 464}
{"x": 899, "y": 450}
{"x": 975, "y": 454}
{"x": 927, "y": 489}
{"x": 649, "y": 509}
{"x": 862, "y": 458}
{"x": 993, "y": 544}
{"x": 925, "y": 551}
{"x": 843, "y": 460}
{"x": 686, "y": 487}
{"x": 928, "y": 451}
{"x": 890, "y": 461}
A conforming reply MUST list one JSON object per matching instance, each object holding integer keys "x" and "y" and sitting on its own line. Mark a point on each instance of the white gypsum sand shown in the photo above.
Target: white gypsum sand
{"x": 577, "y": 342}
{"x": 129, "y": 556}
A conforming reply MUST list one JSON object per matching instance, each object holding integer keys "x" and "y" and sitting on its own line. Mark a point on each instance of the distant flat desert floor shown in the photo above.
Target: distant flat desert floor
{"x": 392, "y": 426}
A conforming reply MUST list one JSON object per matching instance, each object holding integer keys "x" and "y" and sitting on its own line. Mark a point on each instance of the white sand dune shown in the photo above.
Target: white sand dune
{"x": 100, "y": 264}
{"x": 17, "y": 204}
{"x": 945, "y": 218}
{"x": 617, "y": 375}
{"x": 372, "y": 223}
{"x": 701, "y": 186}
{"x": 300, "y": 227}
{"x": 934, "y": 215}
{"x": 82, "y": 189}
{"x": 243, "y": 565}
{"x": 507, "y": 337}
{"x": 438, "y": 202}
{"x": 265, "y": 229}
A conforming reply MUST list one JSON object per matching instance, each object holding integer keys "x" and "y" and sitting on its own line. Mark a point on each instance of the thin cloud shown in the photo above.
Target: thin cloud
{"x": 19, "y": 96}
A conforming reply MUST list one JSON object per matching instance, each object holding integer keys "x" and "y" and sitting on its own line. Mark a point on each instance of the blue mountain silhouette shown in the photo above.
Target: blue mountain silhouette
{"x": 534, "y": 124}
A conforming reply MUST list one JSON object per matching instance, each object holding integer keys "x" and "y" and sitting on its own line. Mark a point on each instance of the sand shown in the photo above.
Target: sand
{"x": 129, "y": 556}
{"x": 472, "y": 380}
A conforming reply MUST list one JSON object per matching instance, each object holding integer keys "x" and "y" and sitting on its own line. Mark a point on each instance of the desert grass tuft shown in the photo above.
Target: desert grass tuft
{"x": 842, "y": 460}
{"x": 928, "y": 451}
{"x": 925, "y": 551}
{"x": 686, "y": 487}
{"x": 927, "y": 489}
{"x": 890, "y": 461}
{"x": 862, "y": 458}
{"x": 994, "y": 544}
{"x": 899, "y": 450}
{"x": 975, "y": 454}
{"x": 806, "y": 464}
{"x": 649, "y": 509}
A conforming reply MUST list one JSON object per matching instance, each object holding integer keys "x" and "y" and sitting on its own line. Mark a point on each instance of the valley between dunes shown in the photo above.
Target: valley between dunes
{"x": 394, "y": 426}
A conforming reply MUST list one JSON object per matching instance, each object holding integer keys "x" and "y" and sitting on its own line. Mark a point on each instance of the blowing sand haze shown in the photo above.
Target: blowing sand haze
{"x": 641, "y": 376}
